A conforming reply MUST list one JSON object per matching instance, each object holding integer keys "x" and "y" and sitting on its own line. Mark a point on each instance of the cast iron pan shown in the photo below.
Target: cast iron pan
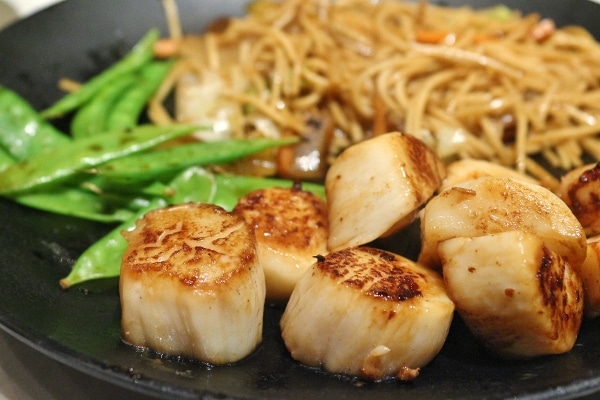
{"x": 80, "y": 327}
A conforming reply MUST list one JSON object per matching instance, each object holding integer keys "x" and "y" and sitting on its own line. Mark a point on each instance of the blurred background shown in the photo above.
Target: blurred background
{"x": 12, "y": 10}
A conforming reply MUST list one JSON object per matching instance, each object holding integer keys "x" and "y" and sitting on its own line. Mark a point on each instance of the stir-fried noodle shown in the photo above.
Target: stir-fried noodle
{"x": 488, "y": 84}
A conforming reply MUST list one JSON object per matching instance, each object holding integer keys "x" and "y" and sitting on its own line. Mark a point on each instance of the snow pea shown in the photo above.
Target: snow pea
{"x": 79, "y": 203}
{"x": 127, "y": 110}
{"x": 166, "y": 162}
{"x": 92, "y": 117}
{"x": 103, "y": 258}
{"x": 23, "y": 132}
{"x": 5, "y": 159}
{"x": 141, "y": 54}
{"x": 221, "y": 189}
{"x": 66, "y": 161}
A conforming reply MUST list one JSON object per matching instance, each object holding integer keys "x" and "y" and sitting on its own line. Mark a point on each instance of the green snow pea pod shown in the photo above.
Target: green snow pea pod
{"x": 23, "y": 132}
{"x": 66, "y": 161}
{"x": 127, "y": 110}
{"x": 103, "y": 258}
{"x": 92, "y": 117}
{"x": 5, "y": 159}
{"x": 141, "y": 54}
{"x": 68, "y": 200}
{"x": 79, "y": 203}
{"x": 169, "y": 161}
{"x": 193, "y": 185}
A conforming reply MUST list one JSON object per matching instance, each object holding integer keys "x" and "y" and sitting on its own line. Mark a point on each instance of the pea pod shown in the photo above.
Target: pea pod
{"x": 61, "y": 163}
{"x": 103, "y": 258}
{"x": 5, "y": 159}
{"x": 23, "y": 132}
{"x": 169, "y": 161}
{"x": 78, "y": 203}
{"x": 141, "y": 54}
{"x": 127, "y": 110}
{"x": 91, "y": 119}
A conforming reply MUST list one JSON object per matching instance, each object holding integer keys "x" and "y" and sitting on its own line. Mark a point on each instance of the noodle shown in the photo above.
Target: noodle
{"x": 504, "y": 80}
{"x": 175, "y": 30}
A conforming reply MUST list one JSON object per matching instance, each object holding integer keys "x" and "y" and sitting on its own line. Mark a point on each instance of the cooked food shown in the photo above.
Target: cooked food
{"x": 490, "y": 205}
{"x": 488, "y": 84}
{"x": 469, "y": 169}
{"x": 376, "y": 187}
{"x": 191, "y": 284}
{"x": 580, "y": 190}
{"x": 589, "y": 272}
{"x": 367, "y": 312}
{"x": 520, "y": 298}
{"x": 291, "y": 228}
{"x": 483, "y": 90}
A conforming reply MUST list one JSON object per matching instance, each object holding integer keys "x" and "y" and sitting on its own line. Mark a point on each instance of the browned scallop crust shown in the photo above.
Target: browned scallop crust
{"x": 579, "y": 189}
{"x": 380, "y": 275}
{"x": 178, "y": 242}
{"x": 286, "y": 218}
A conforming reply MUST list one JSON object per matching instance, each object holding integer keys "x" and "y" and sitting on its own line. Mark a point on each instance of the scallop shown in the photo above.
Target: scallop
{"x": 367, "y": 312}
{"x": 191, "y": 284}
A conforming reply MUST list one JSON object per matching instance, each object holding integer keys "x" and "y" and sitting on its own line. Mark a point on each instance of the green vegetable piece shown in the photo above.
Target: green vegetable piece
{"x": 78, "y": 203}
{"x": 103, "y": 258}
{"x": 172, "y": 160}
{"x": 127, "y": 110}
{"x": 63, "y": 162}
{"x": 92, "y": 118}
{"x": 500, "y": 13}
{"x": 5, "y": 159}
{"x": 141, "y": 54}
{"x": 23, "y": 132}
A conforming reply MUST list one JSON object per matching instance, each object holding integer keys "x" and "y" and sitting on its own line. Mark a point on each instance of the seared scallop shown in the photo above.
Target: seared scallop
{"x": 489, "y": 205}
{"x": 376, "y": 187}
{"x": 369, "y": 313}
{"x": 520, "y": 298}
{"x": 191, "y": 284}
{"x": 291, "y": 228}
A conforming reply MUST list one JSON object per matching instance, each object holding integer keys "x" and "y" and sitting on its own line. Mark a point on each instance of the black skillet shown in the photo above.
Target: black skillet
{"x": 80, "y": 327}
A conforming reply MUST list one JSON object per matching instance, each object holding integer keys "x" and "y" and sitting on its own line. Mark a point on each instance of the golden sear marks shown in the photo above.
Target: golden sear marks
{"x": 583, "y": 198}
{"x": 286, "y": 217}
{"x": 192, "y": 242}
{"x": 562, "y": 292}
{"x": 375, "y": 272}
